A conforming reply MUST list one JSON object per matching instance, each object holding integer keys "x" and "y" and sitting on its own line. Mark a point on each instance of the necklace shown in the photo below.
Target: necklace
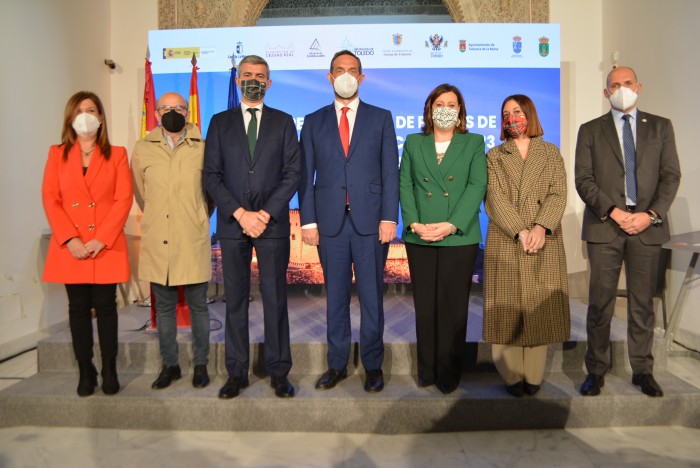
{"x": 87, "y": 153}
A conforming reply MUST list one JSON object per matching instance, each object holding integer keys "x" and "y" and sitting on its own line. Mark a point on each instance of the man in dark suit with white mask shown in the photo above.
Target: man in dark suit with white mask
{"x": 627, "y": 174}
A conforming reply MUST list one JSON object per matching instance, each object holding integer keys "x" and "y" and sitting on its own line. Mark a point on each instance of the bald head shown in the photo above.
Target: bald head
{"x": 616, "y": 73}
{"x": 171, "y": 99}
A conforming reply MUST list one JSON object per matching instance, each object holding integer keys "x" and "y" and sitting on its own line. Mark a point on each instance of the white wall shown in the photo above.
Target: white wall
{"x": 581, "y": 100}
{"x": 52, "y": 49}
{"x": 658, "y": 39}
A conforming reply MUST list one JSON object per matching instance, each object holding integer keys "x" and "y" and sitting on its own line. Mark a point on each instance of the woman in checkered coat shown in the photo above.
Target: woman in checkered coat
{"x": 526, "y": 297}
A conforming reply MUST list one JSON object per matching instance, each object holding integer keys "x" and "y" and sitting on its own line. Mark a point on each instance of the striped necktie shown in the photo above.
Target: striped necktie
{"x": 630, "y": 159}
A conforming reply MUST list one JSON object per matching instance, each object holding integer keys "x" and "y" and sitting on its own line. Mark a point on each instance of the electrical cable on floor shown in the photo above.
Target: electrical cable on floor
{"x": 692, "y": 350}
{"x": 148, "y": 323}
{"x": 17, "y": 354}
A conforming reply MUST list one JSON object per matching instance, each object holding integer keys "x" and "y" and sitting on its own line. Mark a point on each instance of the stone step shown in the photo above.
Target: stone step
{"x": 480, "y": 403}
{"x": 139, "y": 351}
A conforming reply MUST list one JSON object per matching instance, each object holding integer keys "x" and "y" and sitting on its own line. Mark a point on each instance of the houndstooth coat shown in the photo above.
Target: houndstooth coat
{"x": 526, "y": 297}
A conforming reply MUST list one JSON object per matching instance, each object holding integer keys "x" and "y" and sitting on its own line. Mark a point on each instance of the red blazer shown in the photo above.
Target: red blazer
{"x": 94, "y": 206}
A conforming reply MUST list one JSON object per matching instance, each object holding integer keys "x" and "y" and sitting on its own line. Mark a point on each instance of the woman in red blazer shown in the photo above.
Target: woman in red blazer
{"x": 87, "y": 194}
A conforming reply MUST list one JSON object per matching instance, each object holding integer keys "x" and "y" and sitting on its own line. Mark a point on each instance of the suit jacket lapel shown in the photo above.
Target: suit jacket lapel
{"x": 239, "y": 137}
{"x": 265, "y": 128}
{"x": 94, "y": 167}
{"x": 453, "y": 152}
{"x": 330, "y": 127}
{"x": 358, "y": 129}
{"x": 642, "y": 135}
{"x": 430, "y": 159}
{"x": 610, "y": 132}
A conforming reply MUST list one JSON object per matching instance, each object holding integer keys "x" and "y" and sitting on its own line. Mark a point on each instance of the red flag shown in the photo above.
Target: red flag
{"x": 194, "y": 95}
{"x": 148, "y": 111}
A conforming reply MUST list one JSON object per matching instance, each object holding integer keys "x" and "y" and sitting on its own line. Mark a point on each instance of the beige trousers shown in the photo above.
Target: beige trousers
{"x": 517, "y": 363}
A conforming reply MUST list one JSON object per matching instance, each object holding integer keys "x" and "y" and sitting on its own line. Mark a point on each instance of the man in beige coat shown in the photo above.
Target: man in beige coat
{"x": 175, "y": 243}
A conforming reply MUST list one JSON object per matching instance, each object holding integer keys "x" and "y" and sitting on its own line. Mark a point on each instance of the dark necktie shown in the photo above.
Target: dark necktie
{"x": 252, "y": 130}
{"x": 630, "y": 159}
{"x": 344, "y": 129}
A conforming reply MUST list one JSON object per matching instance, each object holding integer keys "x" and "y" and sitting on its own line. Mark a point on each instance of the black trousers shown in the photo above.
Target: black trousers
{"x": 441, "y": 278}
{"x": 82, "y": 298}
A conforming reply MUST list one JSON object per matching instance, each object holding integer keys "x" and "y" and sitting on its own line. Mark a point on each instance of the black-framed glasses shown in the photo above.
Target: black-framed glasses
{"x": 178, "y": 109}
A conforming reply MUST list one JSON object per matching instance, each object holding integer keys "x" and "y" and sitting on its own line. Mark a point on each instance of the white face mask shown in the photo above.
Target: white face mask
{"x": 623, "y": 98}
{"x": 86, "y": 124}
{"x": 445, "y": 117}
{"x": 345, "y": 85}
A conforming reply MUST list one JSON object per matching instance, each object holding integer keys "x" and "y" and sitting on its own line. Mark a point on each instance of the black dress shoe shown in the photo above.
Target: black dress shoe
{"x": 591, "y": 386}
{"x": 200, "y": 379}
{"x": 422, "y": 383}
{"x": 447, "y": 386}
{"x": 283, "y": 389}
{"x": 232, "y": 387}
{"x": 374, "y": 383}
{"x": 648, "y": 384}
{"x": 330, "y": 379}
{"x": 530, "y": 389}
{"x": 166, "y": 377}
{"x": 517, "y": 389}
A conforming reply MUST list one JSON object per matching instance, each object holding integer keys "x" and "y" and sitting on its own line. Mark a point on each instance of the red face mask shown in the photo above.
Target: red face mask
{"x": 515, "y": 125}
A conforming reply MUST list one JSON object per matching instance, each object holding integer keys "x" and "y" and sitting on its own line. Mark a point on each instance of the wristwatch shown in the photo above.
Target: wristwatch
{"x": 453, "y": 229}
{"x": 655, "y": 220}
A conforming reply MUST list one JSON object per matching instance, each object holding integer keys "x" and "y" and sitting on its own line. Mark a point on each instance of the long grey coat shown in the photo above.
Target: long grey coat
{"x": 526, "y": 296}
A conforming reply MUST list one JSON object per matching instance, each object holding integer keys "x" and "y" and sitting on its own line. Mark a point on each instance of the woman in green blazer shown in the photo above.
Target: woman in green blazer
{"x": 443, "y": 182}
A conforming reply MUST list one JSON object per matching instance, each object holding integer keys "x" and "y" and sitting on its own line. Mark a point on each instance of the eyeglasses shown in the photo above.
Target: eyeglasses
{"x": 178, "y": 109}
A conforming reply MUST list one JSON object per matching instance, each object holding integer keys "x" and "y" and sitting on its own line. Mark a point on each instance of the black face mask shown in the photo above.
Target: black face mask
{"x": 173, "y": 121}
{"x": 253, "y": 90}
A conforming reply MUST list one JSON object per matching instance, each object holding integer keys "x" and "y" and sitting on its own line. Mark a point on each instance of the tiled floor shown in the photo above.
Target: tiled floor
{"x": 597, "y": 447}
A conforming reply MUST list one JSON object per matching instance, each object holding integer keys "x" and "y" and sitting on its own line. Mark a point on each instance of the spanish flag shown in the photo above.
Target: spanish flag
{"x": 148, "y": 111}
{"x": 194, "y": 95}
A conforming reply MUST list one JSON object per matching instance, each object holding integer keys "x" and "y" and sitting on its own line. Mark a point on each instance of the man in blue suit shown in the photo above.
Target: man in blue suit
{"x": 349, "y": 199}
{"x": 251, "y": 170}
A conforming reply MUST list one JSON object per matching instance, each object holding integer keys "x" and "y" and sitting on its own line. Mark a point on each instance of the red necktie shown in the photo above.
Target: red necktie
{"x": 344, "y": 129}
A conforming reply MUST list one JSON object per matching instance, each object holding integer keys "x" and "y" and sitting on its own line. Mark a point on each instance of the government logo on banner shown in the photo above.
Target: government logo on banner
{"x": 517, "y": 44}
{"x": 315, "y": 50}
{"x": 544, "y": 46}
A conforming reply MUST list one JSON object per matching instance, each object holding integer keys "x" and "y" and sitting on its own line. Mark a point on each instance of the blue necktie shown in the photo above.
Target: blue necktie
{"x": 630, "y": 159}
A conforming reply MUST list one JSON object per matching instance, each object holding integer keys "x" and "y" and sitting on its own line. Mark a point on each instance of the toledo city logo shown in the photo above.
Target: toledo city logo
{"x": 436, "y": 42}
{"x": 397, "y": 39}
{"x": 544, "y": 46}
{"x": 517, "y": 44}
{"x": 462, "y": 45}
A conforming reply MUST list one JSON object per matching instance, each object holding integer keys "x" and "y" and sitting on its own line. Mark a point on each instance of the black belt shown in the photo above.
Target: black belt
{"x": 631, "y": 208}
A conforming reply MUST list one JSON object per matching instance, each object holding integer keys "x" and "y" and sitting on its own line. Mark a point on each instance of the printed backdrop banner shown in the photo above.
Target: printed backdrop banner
{"x": 402, "y": 63}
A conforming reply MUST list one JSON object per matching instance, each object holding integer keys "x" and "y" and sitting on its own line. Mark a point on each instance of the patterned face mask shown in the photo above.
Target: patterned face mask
{"x": 253, "y": 90}
{"x": 515, "y": 125}
{"x": 445, "y": 117}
